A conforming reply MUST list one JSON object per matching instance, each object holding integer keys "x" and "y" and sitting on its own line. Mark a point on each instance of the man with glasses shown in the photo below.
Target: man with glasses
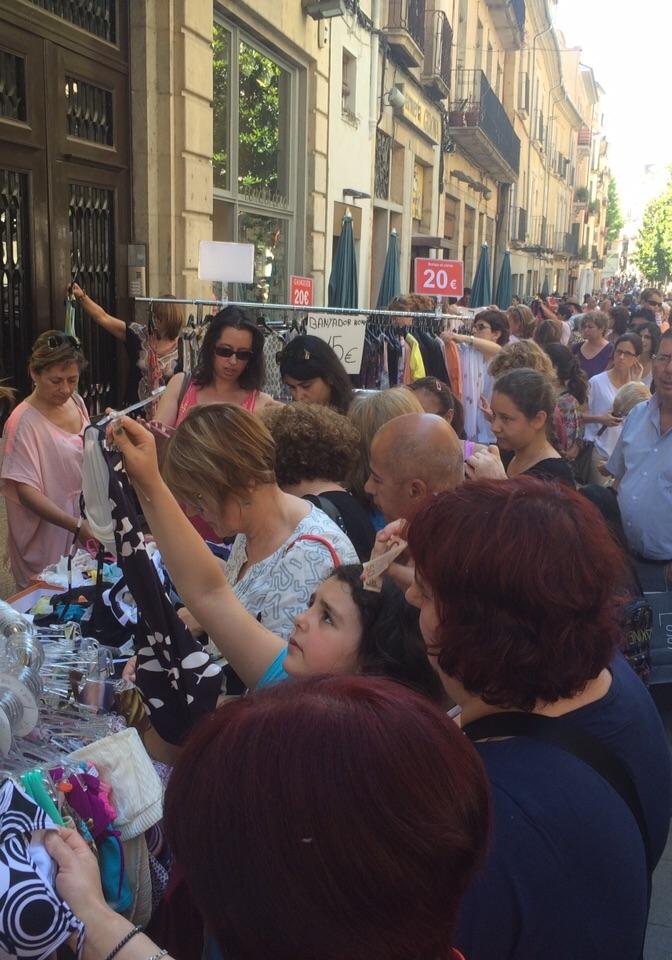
{"x": 653, "y": 299}
{"x": 642, "y": 466}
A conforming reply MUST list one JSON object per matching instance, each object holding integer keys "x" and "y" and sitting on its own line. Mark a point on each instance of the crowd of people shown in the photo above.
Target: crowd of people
{"x": 455, "y": 762}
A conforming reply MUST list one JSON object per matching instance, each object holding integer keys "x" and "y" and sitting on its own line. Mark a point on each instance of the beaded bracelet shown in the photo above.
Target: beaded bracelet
{"x": 122, "y": 943}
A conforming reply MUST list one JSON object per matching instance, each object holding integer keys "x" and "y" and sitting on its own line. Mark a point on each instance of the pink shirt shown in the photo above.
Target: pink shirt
{"x": 190, "y": 399}
{"x": 43, "y": 456}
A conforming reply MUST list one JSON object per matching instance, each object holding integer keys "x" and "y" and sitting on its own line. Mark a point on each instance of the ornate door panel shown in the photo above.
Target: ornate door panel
{"x": 64, "y": 173}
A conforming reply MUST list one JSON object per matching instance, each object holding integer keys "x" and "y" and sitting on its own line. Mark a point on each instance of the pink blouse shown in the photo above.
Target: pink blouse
{"x": 190, "y": 399}
{"x": 44, "y": 456}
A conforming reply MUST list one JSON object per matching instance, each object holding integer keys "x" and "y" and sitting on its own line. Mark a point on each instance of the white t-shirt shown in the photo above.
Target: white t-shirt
{"x": 601, "y": 396}
{"x": 278, "y": 588}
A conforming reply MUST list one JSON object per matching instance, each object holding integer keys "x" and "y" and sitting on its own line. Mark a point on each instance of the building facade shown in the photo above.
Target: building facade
{"x": 129, "y": 132}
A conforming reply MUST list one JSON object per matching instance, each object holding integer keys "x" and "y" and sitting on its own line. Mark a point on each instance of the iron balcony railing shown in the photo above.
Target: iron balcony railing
{"x": 408, "y": 15}
{"x": 438, "y": 46}
{"x": 473, "y": 95}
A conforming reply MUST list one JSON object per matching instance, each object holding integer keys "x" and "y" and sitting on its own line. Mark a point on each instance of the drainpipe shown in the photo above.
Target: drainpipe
{"x": 373, "y": 82}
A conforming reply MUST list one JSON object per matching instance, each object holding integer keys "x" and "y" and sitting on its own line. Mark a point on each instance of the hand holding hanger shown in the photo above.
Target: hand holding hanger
{"x": 138, "y": 448}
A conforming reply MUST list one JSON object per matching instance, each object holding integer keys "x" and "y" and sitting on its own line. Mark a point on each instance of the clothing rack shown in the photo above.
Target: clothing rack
{"x": 371, "y": 313}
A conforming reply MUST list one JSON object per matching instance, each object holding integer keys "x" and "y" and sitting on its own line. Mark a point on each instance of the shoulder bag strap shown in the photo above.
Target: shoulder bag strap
{"x": 590, "y": 749}
{"x": 316, "y": 538}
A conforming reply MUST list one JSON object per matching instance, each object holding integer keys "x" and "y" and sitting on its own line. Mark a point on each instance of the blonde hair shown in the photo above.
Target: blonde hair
{"x": 525, "y": 318}
{"x": 168, "y": 316}
{"x": 216, "y": 452}
{"x": 522, "y": 353}
{"x": 629, "y": 396}
{"x": 368, "y": 413}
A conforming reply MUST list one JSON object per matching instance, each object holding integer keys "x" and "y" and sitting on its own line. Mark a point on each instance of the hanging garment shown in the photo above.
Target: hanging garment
{"x": 454, "y": 367}
{"x": 34, "y": 921}
{"x": 417, "y": 367}
{"x": 176, "y": 678}
{"x": 273, "y": 383}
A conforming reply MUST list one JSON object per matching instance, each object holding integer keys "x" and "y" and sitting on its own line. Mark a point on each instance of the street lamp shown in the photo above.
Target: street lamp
{"x": 323, "y": 9}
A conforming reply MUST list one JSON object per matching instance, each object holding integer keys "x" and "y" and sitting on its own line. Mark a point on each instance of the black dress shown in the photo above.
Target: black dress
{"x": 553, "y": 468}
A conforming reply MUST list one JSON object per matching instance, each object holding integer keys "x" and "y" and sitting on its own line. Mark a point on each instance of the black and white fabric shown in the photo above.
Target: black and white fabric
{"x": 34, "y": 921}
{"x": 176, "y": 677}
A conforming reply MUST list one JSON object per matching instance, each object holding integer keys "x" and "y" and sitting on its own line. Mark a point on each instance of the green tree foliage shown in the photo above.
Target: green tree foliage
{"x": 614, "y": 215}
{"x": 654, "y": 242}
{"x": 221, "y": 77}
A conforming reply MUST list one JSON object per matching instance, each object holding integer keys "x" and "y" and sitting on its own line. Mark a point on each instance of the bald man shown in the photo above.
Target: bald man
{"x": 413, "y": 457}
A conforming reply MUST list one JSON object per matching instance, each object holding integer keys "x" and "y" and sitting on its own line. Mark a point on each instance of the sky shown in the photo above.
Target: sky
{"x": 628, "y": 46}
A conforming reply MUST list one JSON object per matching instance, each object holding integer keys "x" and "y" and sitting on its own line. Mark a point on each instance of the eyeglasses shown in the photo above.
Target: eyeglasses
{"x": 482, "y": 326}
{"x": 62, "y": 340}
{"x": 624, "y": 353}
{"x": 663, "y": 359}
{"x": 227, "y": 352}
{"x": 654, "y": 303}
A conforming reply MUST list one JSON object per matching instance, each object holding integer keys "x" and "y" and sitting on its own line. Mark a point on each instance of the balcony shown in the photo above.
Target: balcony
{"x": 405, "y": 31}
{"x": 479, "y": 125}
{"x": 540, "y": 239}
{"x": 508, "y": 18}
{"x": 438, "y": 55}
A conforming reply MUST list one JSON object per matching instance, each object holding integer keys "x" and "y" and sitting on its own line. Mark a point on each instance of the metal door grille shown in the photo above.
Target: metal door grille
{"x": 88, "y": 111}
{"x": 92, "y": 239}
{"x": 98, "y": 17}
{"x": 12, "y": 86}
{"x": 14, "y": 276}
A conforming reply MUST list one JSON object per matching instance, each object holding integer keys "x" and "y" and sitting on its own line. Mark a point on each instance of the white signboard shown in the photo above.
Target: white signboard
{"x": 345, "y": 336}
{"x": 226, "y": 262}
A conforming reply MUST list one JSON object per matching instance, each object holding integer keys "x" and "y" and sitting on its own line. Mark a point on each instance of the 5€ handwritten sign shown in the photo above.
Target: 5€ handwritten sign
{"x": 345, "y": 336}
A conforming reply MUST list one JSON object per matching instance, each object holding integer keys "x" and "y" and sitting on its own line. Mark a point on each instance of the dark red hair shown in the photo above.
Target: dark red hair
{"x": 522, "y": 572}
{"x": 339, "y": 818}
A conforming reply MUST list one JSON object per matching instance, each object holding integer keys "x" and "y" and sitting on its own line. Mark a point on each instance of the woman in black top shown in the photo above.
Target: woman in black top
{"x": 316, "y": 448}
{"x": 522, "y": 404}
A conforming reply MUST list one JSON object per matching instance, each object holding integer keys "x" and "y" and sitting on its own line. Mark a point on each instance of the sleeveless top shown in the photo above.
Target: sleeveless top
{"x": 190, "y": 399}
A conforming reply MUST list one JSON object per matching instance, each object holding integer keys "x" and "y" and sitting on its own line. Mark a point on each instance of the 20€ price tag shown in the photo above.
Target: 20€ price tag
{"x": 439, "y": 278}
{"x": 301, "y": 291}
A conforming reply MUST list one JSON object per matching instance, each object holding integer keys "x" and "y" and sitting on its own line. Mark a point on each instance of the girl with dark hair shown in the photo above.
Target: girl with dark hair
{"x": 572, "y": 395}
{"x": 437, "y": 397}
{"x": 342, "y": 819}
{"x": 523, "y": 402}
{"x": 314, "y": 374}
{"x": 43, "y": 456}
{"x": 230, "y": 369}
{"x": 603, "y": 428}
{"x": 650, "y": 334}
{"x": 344, "y": 629}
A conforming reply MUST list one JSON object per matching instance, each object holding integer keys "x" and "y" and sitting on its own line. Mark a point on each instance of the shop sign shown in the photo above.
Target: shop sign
{"x": 301, "y": 291}
{"x": 345, "y": 336}
{"x": 439, "y": 278}
{"x": 419, "y": 114}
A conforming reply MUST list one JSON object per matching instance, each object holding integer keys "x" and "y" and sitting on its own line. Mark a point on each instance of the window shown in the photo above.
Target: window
{"x": 349, "y": 88}
{"x": 254, "y": 157}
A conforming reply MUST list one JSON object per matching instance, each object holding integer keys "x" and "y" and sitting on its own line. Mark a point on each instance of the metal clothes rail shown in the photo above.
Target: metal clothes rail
{"x": 372, "y": 314}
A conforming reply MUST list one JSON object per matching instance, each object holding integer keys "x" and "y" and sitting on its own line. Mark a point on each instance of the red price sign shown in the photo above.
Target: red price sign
{"x": 439, "y": 278}
{"x": 301, "y": 291}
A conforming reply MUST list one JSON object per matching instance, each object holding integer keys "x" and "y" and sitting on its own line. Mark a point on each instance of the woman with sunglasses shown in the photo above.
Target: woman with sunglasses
{"x": 42, "y": 464}
{"x": 153, "y": 350}
{"x": 230, "y": 369}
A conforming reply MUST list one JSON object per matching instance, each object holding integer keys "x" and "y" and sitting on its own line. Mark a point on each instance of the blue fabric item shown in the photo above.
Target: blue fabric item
{"x": 390, "y": 283}
{"x": 566, "y": 874}
{"x": 378, "y": 520}
{"x": 274, "y": 672}
{"x": 116, "y": 887}
{"x": 481, "y": 290}
{"x": 343, "y": 285}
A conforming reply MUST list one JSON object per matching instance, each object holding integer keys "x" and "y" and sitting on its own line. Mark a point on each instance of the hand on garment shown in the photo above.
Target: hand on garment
{"x": 138, "y": 448}
{"x": 78, "y": 878}
{"x": 485, "y": 465}
{"x": 190, "y": 622}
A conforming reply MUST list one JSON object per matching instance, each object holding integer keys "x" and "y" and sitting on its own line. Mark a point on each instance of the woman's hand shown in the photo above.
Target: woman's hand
{"x": 128, "y": 673}
{"x": 190, "y": 622}
{"x": 485, "y": 465}
{"x": 78, "y": 878}
{"x": 484, "y": 406}
{"x": 76, "y": 291}
{"x": 609, "y": 420}
{"x": 138, "y": 448}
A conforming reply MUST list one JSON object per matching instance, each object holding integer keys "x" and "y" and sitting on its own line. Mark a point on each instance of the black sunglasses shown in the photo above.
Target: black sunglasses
{"x": 243, "y": 355}
{"x": 654, "y": 303}
{"x": 62, "y": 340}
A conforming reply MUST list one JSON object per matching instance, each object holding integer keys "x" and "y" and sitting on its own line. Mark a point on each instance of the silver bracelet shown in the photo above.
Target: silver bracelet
{"x": 158, "y": 956}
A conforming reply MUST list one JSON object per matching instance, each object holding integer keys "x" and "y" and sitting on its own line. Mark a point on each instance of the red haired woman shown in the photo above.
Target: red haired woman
{"x": 515, "y": 585}
{"x": 339, "y": 818}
